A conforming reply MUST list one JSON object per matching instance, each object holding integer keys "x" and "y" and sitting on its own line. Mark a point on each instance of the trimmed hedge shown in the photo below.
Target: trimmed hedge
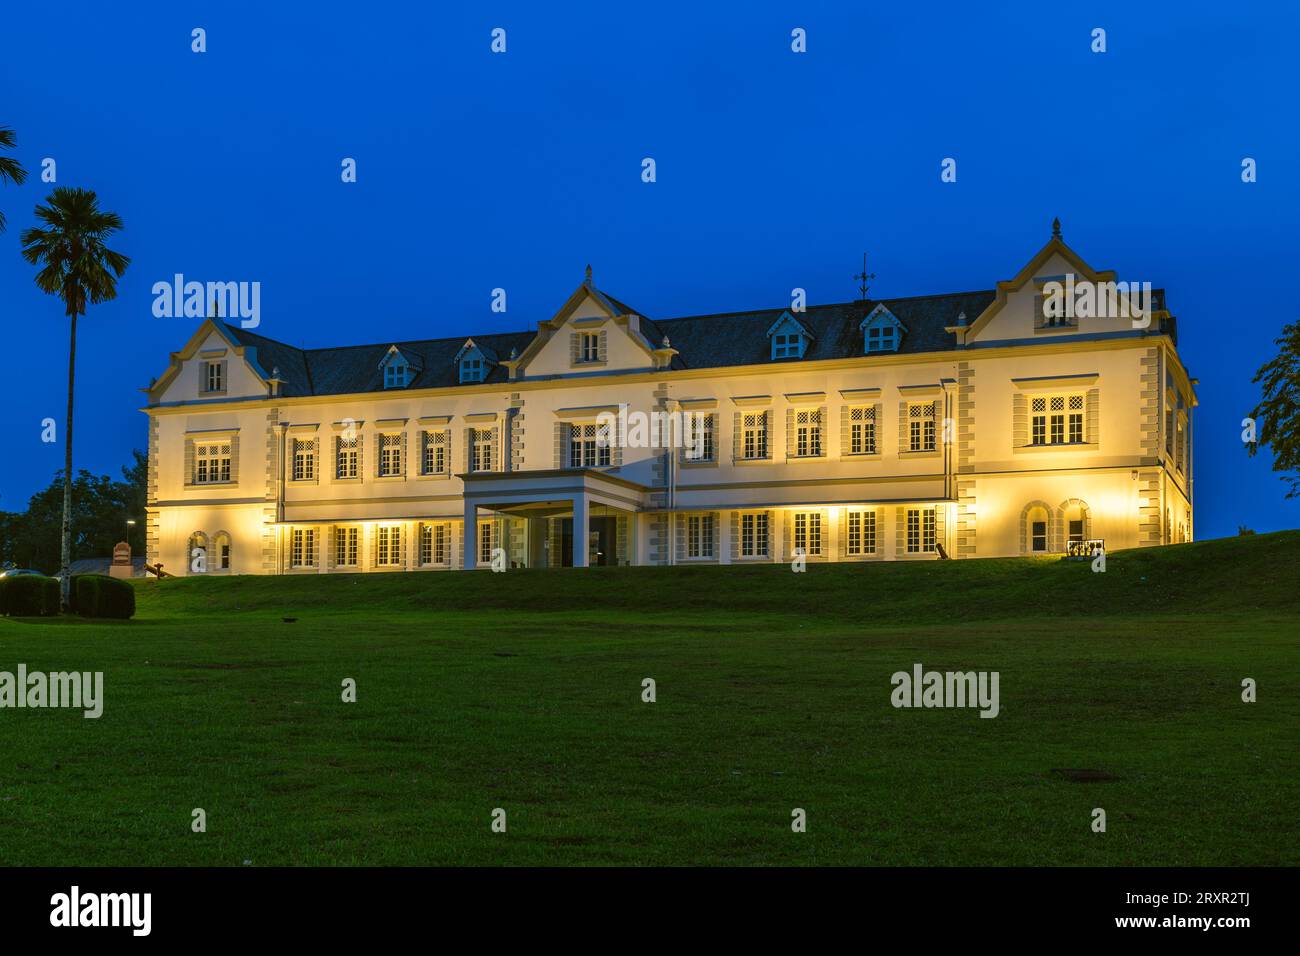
{"x": 29, "y": 595}
{"x": 98, "y": 595}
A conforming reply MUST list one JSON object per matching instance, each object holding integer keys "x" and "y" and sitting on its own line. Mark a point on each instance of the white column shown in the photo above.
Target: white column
{"x": 581, "y": 531}
{"x": 470, "y": 536}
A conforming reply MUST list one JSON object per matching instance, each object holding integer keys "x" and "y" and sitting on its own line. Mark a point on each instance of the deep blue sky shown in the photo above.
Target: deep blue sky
{"x": 775, "y": 170}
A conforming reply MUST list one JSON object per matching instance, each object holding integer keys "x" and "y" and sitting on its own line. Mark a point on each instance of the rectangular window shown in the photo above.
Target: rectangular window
{"x": 346, "y": 457}
{"x": 787, "y": 345}
{"x": 395, "y": 376}
{"x": 471, "y": 369}
{"x": 211, "y": 463}
{"x": 304, "y": 459}
{"x": 214, "y": 376}
{"x": 302, "y": 553}
{"x": 390, "y": 455}
{"x": 485, "y": 542}
{"x": 699, "y": 536}
{"x": 753, "y": 535}
{"x": 808, "y": 433}
{"x": 482, "y": 443}
{"x": 345, "y": 547}
{"x": 589, "y": 347}
{"x": 862, "y": 430}
{"x": 388, "y": 546}
{"x": 920, "y": 427}
{"x": 700, "y": 437}
{"x": 808, "y": 532}
{"x": 434, "y": 453}
{"x": 1038, "y": 534}
{"x": 920, "y": 531}
{"x": 753, "y": 427}
{"x": 1076, "y": 531}
{"x": 588, "y": 446}
{"x": 435, "y": 544}
{"x": 861, "y": 529}
{"x": 1056, "y": 419}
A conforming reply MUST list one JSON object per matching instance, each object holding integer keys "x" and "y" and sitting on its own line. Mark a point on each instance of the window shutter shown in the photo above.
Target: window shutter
{"x": 846, "y": 412}
{"x": 601, "y": 349}
{"x": 823, "y": 429}
{"x": 1092, "y": 417}
{"x": 1020, "y": 420}
{"x": 234, "y": 458}
{"x": 574, "y": 356}
{"x": 900, "y": 531}
{"x": 457, "y": 556}
{"x": 376, "y": 446}
{"x": 843, "y": 532}
{"x": 1039, "y": 320}
{"x": 329, "y": 535}
{"x": 736, "y": 430}
{"x": 617, "y": 438}
{"x": 556, "y": 559}
{"x": 940, "y": 519}
{"x": 735, "y": 536}
{"x": 498, "y": 448}
{"x": 771, "y": 535}
{"x": 316, "y": 463}
{"x": 467, "y": 454}
{"x": 717, "y": 532}
{"x": 789, "y": 433}
{"x": 787, "y": 536}
{"x": 680, "y": 521}
{"x": 903, "y": 444}
{"x": 767, "y": 432}
{"x": 401, "y": 545}
{"x": 561, "y": 441}
{"x": 404, "y": 469}
{"x": 189, "y": 462}
{"x": 374, "y": 546}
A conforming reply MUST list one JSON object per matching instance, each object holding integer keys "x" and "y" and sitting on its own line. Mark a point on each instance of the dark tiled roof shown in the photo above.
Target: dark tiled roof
{"x": 705, "y": 341}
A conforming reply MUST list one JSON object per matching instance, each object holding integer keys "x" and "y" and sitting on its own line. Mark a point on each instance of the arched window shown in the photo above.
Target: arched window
{"x": 196, "y": 554}
{"x": 1036, "y": 528}
{"x": 1074, "y": 523}
{"x": 219, "y": 557}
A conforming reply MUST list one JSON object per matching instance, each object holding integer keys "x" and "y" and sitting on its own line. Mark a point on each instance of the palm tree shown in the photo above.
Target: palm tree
{"x": 10, "y": 168}
{"x": 78, "y": 268}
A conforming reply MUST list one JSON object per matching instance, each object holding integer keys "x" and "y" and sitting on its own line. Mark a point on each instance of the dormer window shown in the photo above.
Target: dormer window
{"x": 789, "y": 337}
{"x": 395, "y": 376}
{"x": 398, "y": 367}
{"x": 881, "y": 331}
{"x": 473, "y": 362}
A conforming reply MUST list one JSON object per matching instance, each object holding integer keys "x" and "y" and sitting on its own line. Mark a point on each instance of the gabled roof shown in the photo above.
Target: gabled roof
{"x": 787, "y": 318}
{"x": 881, "y": 314}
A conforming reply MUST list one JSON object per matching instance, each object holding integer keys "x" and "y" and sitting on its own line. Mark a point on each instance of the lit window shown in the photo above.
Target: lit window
{"x": 920, "y": 531}
{"x": 346, "y": 455}
{"x": 390, "y": 455}
{"x": 700, "y": 436}
{"x": 920, "y": 424}
{"x": 753, "y": 427}
{"x": 303, "y": 548}
{"x": 345, "y": 547}
{"x": 882, "y": 336}
{"x": 808, "y": 532}
{"x": 435, "y": 544}
{"x": 304, "y": 459}
{"x": 482, "y": 442}
{"x": 862, "y": 430}
{"x": 588, "y": 447}
{"x": 485, "y": 548}
{"x": 388, "y": 546}
{"x": 211, "y": 463}
{"x": 1056, "y": 420}
{"x": 434, "y": 454}
{"x": 220, "y": 552}
{"x": 753, "y": 535}
{"x": 699, "y": 536}
{"x": 808, "y": 433}
{"x": 861, "y": 529}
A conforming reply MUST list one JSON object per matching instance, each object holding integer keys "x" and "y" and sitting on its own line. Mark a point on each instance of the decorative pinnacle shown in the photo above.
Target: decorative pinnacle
{"x": 1056, "y": 228}
{"x": 666, "y": 343}
{"x": 588, "y": 280}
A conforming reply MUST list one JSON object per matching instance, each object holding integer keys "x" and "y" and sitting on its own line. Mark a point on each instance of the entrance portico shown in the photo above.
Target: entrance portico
{"x": 589, "y": 498}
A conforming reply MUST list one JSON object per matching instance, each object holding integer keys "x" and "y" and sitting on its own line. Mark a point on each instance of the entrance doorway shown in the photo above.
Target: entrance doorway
{"x": 602, "y": 535}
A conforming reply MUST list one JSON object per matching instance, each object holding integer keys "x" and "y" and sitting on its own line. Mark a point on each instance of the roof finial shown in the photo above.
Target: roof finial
{"x": 667, "y": 344}
{"x": 864, "y": 278}
{"x": 588, "y": 280}
{"x": 1056, "y": 228}
{"x": 961, "y": 318}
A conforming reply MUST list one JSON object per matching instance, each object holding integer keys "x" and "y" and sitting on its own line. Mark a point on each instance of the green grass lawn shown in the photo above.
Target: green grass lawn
{"x": 523, "y": 691}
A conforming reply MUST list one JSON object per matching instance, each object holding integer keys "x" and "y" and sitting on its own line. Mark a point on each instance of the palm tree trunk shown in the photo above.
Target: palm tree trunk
{"x": 67, "y": 472}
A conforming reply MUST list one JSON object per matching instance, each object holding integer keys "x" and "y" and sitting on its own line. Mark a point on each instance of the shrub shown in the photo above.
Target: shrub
{"x": 4, "y": 601}
{"x": 31, "y": 595}
{"x": 97, "y": 595}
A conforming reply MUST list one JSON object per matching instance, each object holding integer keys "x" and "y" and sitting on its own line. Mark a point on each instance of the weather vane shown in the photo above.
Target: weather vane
{"x": 864, "y": 277}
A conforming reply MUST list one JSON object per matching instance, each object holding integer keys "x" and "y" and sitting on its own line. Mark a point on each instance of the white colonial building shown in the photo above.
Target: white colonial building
{"x": 966, "y": 425}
